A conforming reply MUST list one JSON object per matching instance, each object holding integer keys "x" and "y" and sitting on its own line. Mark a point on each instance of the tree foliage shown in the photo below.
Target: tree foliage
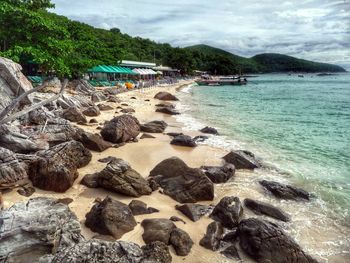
{"x": 29, "y": 33}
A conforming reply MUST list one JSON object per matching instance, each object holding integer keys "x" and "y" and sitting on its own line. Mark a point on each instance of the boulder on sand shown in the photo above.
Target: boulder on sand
{"x": 157, "y": 229}
{"x": 35, "y": 228}
{"x": 181, "y": 242}
{"x": 104, "y": 107}
{"x": 163, "y": 95}
{"x": 11, "y": 169}
{"x": 94, "y": 142}
{"x": 154, "y": 127}
{"x": 92, "y": 111}
{"x": 242, "y": 160}
{"x": 284, "y": 191}
{"x": 228, "y": 211}
{"x": 193, "y": 211}
{"x": 209, "y": 130}
{"x": 119, "y": 177}
{"x": 167, "y": 110}
{"x": 183, "y": 140}
{"x": 110, "y": 217}
{"x": 96, "y": 251}
{"x": 213, "y": 236}
{"x": 56, "y": 169}
{"x": 182, "y": 183}
{"x": 266, "y": 242}
{"x": 219, "y": 174}
{"x": 138, "y": 207}
{"x": 73, "y": 114}
{"x": 121, "y": 129}
{"x": 261, "y": 208}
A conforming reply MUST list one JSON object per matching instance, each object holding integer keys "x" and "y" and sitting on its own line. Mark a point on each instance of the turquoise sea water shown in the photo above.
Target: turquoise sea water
{"x": 300, "y": 126}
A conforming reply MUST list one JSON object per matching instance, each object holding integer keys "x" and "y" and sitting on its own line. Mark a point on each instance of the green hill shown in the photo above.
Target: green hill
{"x": 210, "y": 59}
{"x": 37, "y": 38}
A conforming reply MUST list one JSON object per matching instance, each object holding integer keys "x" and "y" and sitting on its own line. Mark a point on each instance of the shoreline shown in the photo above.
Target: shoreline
{"x": 147, "y": 153}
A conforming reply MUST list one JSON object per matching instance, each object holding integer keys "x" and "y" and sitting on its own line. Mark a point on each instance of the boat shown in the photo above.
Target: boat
{"x": 222, "y": 81}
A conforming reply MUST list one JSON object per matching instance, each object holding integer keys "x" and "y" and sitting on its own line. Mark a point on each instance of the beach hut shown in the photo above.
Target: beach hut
{"x": 104, "y": 75}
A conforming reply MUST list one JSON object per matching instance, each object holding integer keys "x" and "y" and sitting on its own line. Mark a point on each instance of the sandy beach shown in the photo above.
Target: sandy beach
{"x": 146, "y": 153}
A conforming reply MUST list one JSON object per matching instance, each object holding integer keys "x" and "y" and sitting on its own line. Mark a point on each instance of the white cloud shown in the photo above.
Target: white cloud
{"x": 311, "y": 29}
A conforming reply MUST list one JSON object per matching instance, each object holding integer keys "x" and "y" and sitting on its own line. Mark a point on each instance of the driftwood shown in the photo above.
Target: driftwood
{"x": 11, "y": 107}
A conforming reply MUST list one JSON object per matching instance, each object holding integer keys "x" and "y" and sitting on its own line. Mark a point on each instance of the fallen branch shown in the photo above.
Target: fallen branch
{"x": 29, "y": 109}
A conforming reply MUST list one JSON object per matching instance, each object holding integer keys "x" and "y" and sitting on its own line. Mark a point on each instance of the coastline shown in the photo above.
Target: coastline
{"x": 146, "y": 153}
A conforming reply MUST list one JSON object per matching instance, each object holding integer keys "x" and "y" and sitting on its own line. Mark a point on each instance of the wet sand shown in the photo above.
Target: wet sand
{"x": 146, "y": 153}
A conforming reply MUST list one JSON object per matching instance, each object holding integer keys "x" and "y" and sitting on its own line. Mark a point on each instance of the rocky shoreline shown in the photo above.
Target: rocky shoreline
{"x": 112, "y": 178}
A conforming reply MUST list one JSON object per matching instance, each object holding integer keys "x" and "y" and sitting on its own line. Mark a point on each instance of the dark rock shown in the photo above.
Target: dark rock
{"x": 11, "y": 169}
{"x": 183, "y": 140}
{"x": 157, "y": 229}
{"x": 26, "y": 191}
{"x": 177, "y": 219}
{"x": 228, "y": 211}
{"x": 114, "y": 99}
{"x": 138, "y": 207}
{"x": 56, "y": 168}
{"x": 266, "y": 242}
{"x": 94, "y": 142}
{"x": 92, "y": 111}
{"x": 154, "y": 126}
{"x": 147, "y": 136}
{"x": 98, "y": 96}
{"x": 124, "y": 104}
{"x": 127, "y": 110}
{"x": 174, "y": 134}
{"x": 166, "y": 104}
{"x": 153, "y": 184}
{"x": 74, "y": 114}
{"x": 90, "y": 180}
{"x": 107, "y": 159}
{"x": 35, "y": 228}
{"x": 284, "y": 191}
{"x": 231, "y": 253}
{"x": 147, "y": 100}
{"x": 193, "y": 211}
{"x": 93, "y": 120}
{"x": 96, "y": 251}
{"x": 200, "y": 138}
{"x": 261, "y": 208}
{"x": 242, "y": 160}
{"x": 121, "y": 129}
{"x": 119, "y": 177}
{"x": 133, "y": 98}
{"x": 181, "y": 242}
{"x": 104, "y": 107}
{"x": 110, "y": 217}
{"x": 230, "y": 237}
{"x": 219, "y": 174}
{"x": 182, "y": 183}
{"x": 209, "y": 130}
{"x": 119, "y": 145}
{"x": 156, "y": 252}
{"x": 211, "y": 239}
{"x": 167, "y": 110}
{"x": 165, "y": 96}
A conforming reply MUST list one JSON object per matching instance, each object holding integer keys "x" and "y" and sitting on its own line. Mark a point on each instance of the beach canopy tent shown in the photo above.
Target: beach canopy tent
{"x": 137, "y": 64}
{"x": 111, "y": 69}
{"x": 144, "y": 71}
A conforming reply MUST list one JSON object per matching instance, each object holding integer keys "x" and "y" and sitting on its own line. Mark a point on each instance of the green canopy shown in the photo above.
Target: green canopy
{"x": 111, "y": 69}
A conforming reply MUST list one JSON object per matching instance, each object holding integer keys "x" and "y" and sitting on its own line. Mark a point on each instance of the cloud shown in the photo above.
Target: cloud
{"x": 310, "y": 29}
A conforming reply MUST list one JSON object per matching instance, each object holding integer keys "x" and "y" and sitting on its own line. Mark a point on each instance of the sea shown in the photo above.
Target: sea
{"x": 300, "y": 128}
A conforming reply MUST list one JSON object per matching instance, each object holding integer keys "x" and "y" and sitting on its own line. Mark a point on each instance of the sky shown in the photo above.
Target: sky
{"x": 318, "y": 30}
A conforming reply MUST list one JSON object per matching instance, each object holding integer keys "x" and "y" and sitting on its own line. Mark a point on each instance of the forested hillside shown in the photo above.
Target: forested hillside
{"x": 29, "y": 34}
